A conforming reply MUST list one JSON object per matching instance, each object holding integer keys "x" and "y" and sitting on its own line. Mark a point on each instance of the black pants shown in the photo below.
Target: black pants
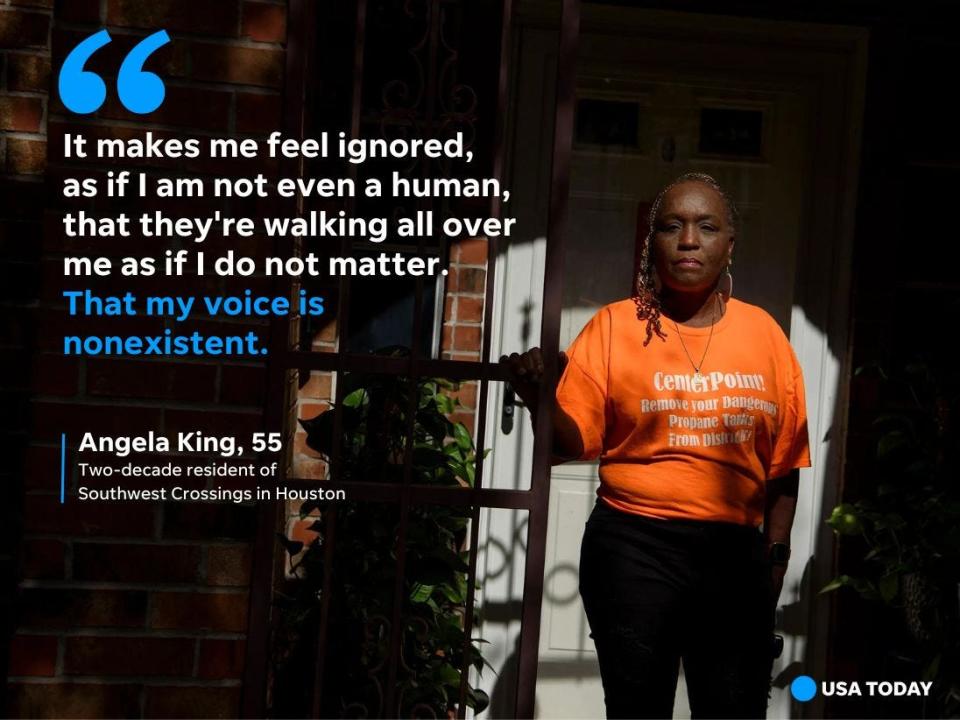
{"x": 656, "y": 591}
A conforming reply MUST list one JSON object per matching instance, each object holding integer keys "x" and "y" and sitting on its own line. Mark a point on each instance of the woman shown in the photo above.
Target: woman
{"x": 694, "y": 403}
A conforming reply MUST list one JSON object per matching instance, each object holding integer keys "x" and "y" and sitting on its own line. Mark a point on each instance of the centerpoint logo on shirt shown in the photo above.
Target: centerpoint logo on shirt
{"x": 710, "y": 382}
{"x": 804, "y": 688}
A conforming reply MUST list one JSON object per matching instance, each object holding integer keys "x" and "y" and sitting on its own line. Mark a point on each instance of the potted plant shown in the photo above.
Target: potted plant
{"x": 373, "y": 438}
{"x": 908, "y": 520}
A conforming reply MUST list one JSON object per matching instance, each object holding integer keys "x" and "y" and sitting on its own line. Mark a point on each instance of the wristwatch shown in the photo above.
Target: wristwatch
{"x": 779, "y": 553}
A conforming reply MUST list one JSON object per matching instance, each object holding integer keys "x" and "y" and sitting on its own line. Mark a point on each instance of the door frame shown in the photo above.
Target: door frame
{"x": 833, "y": 70}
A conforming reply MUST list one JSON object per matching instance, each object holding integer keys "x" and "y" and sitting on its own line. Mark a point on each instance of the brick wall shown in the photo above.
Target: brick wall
{"x": 140, "y": 610}
{"x": 24, "y": 80}
{"x": 122, "y": 610}
{"x": 462, "y": 337}
{"x": 463, "y": 316}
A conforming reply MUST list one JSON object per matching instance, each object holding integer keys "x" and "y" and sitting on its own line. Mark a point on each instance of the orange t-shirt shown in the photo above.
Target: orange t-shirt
{"x": 675, "y": 446}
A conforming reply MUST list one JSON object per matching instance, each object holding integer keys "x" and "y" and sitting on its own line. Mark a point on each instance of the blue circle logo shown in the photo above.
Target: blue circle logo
{"x": 803, "y": 688}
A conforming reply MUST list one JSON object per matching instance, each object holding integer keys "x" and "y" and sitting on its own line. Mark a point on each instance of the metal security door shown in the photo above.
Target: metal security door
{"x": 424, "y": 104}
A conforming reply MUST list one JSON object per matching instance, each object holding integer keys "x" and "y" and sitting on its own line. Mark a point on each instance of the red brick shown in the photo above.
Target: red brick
{"x": 42, "y": 559}
{"x": 147, "y": 379}
{"x": 33, "y": 655}
{"x": 309, "y": 410}
{"x": 63, "y": 608}
{"x": 128, "y": 656}
{"x": 26, "y": 157}
{"x": 258, "y": 114}
{"x": 472, "y": 251}
{"x": 466, "y": 280}
{"x": 469, "y": 309}
{"x": 23, "y": 29}
{"x": 192, "y": 702}
{"x": 300, "y": 531}
{"x": 80, "y": 11}
{"x": 28, "y": 73}
{"x": 187, "y": 107}
{"x": 328, "y": 332}
{"x": 295, "y": 506}
{"x": 266, "y": 23}
{"x": 228, "y": 565}
{"x": 169, "y": 61}
{"x": 73, "y": 700}
{"x": 243, "y": 385}
{"x": 467, "y": 395}
{"x": 446, "y": 340}
{"x": 242, "y": 65}
{"x": 199, "y": 611}
{"x": 317, "y": 344}
{"x": 466, "y": 337}
{"x": 203, "y": 18}
{"x": 20, "y": 114}
{"x": 300, "y": 446}
{"x": 108, "y": 562}
{"x": 309, "y": 468}
{"x": 448, "y": 308}
{"x": 221, "y": 659}
{"x": 472, "y": 280}
{"x": 319, "y": 386}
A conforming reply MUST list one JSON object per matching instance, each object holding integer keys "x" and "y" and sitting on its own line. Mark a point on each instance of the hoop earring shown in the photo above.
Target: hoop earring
{"x": 725, "y": 285}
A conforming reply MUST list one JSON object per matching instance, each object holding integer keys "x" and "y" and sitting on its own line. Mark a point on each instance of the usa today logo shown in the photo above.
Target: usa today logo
{"x": 804, "y": 688}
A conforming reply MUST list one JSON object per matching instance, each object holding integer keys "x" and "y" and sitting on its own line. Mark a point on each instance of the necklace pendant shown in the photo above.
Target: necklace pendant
{"x": 697, "y": 376}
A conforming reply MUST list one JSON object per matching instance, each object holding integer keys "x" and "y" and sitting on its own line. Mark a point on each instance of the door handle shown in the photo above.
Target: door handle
{"x": 508, "y": 412}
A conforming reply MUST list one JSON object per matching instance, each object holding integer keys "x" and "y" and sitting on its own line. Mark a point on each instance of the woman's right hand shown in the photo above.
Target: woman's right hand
{"x": 526, "y": 373}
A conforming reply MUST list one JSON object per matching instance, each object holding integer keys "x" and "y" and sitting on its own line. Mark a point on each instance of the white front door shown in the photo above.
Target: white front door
{"x": 648, "y": 111}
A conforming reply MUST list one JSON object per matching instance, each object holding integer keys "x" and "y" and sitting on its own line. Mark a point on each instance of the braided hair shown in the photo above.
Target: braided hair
{"x": 645, "y": 293}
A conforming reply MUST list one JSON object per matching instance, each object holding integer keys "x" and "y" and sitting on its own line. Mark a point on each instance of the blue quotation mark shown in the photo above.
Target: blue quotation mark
{"x": 803, "y": 688}
{"x": 83, "y": 92}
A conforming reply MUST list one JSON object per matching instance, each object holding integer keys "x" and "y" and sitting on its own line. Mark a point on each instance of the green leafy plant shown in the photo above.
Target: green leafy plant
{"x": 908, "y": 519}
{"x": 373, "y": 439}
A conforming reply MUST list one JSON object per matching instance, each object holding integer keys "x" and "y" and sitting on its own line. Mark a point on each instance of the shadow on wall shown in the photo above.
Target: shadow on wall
{"x": 503, "y": 694}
